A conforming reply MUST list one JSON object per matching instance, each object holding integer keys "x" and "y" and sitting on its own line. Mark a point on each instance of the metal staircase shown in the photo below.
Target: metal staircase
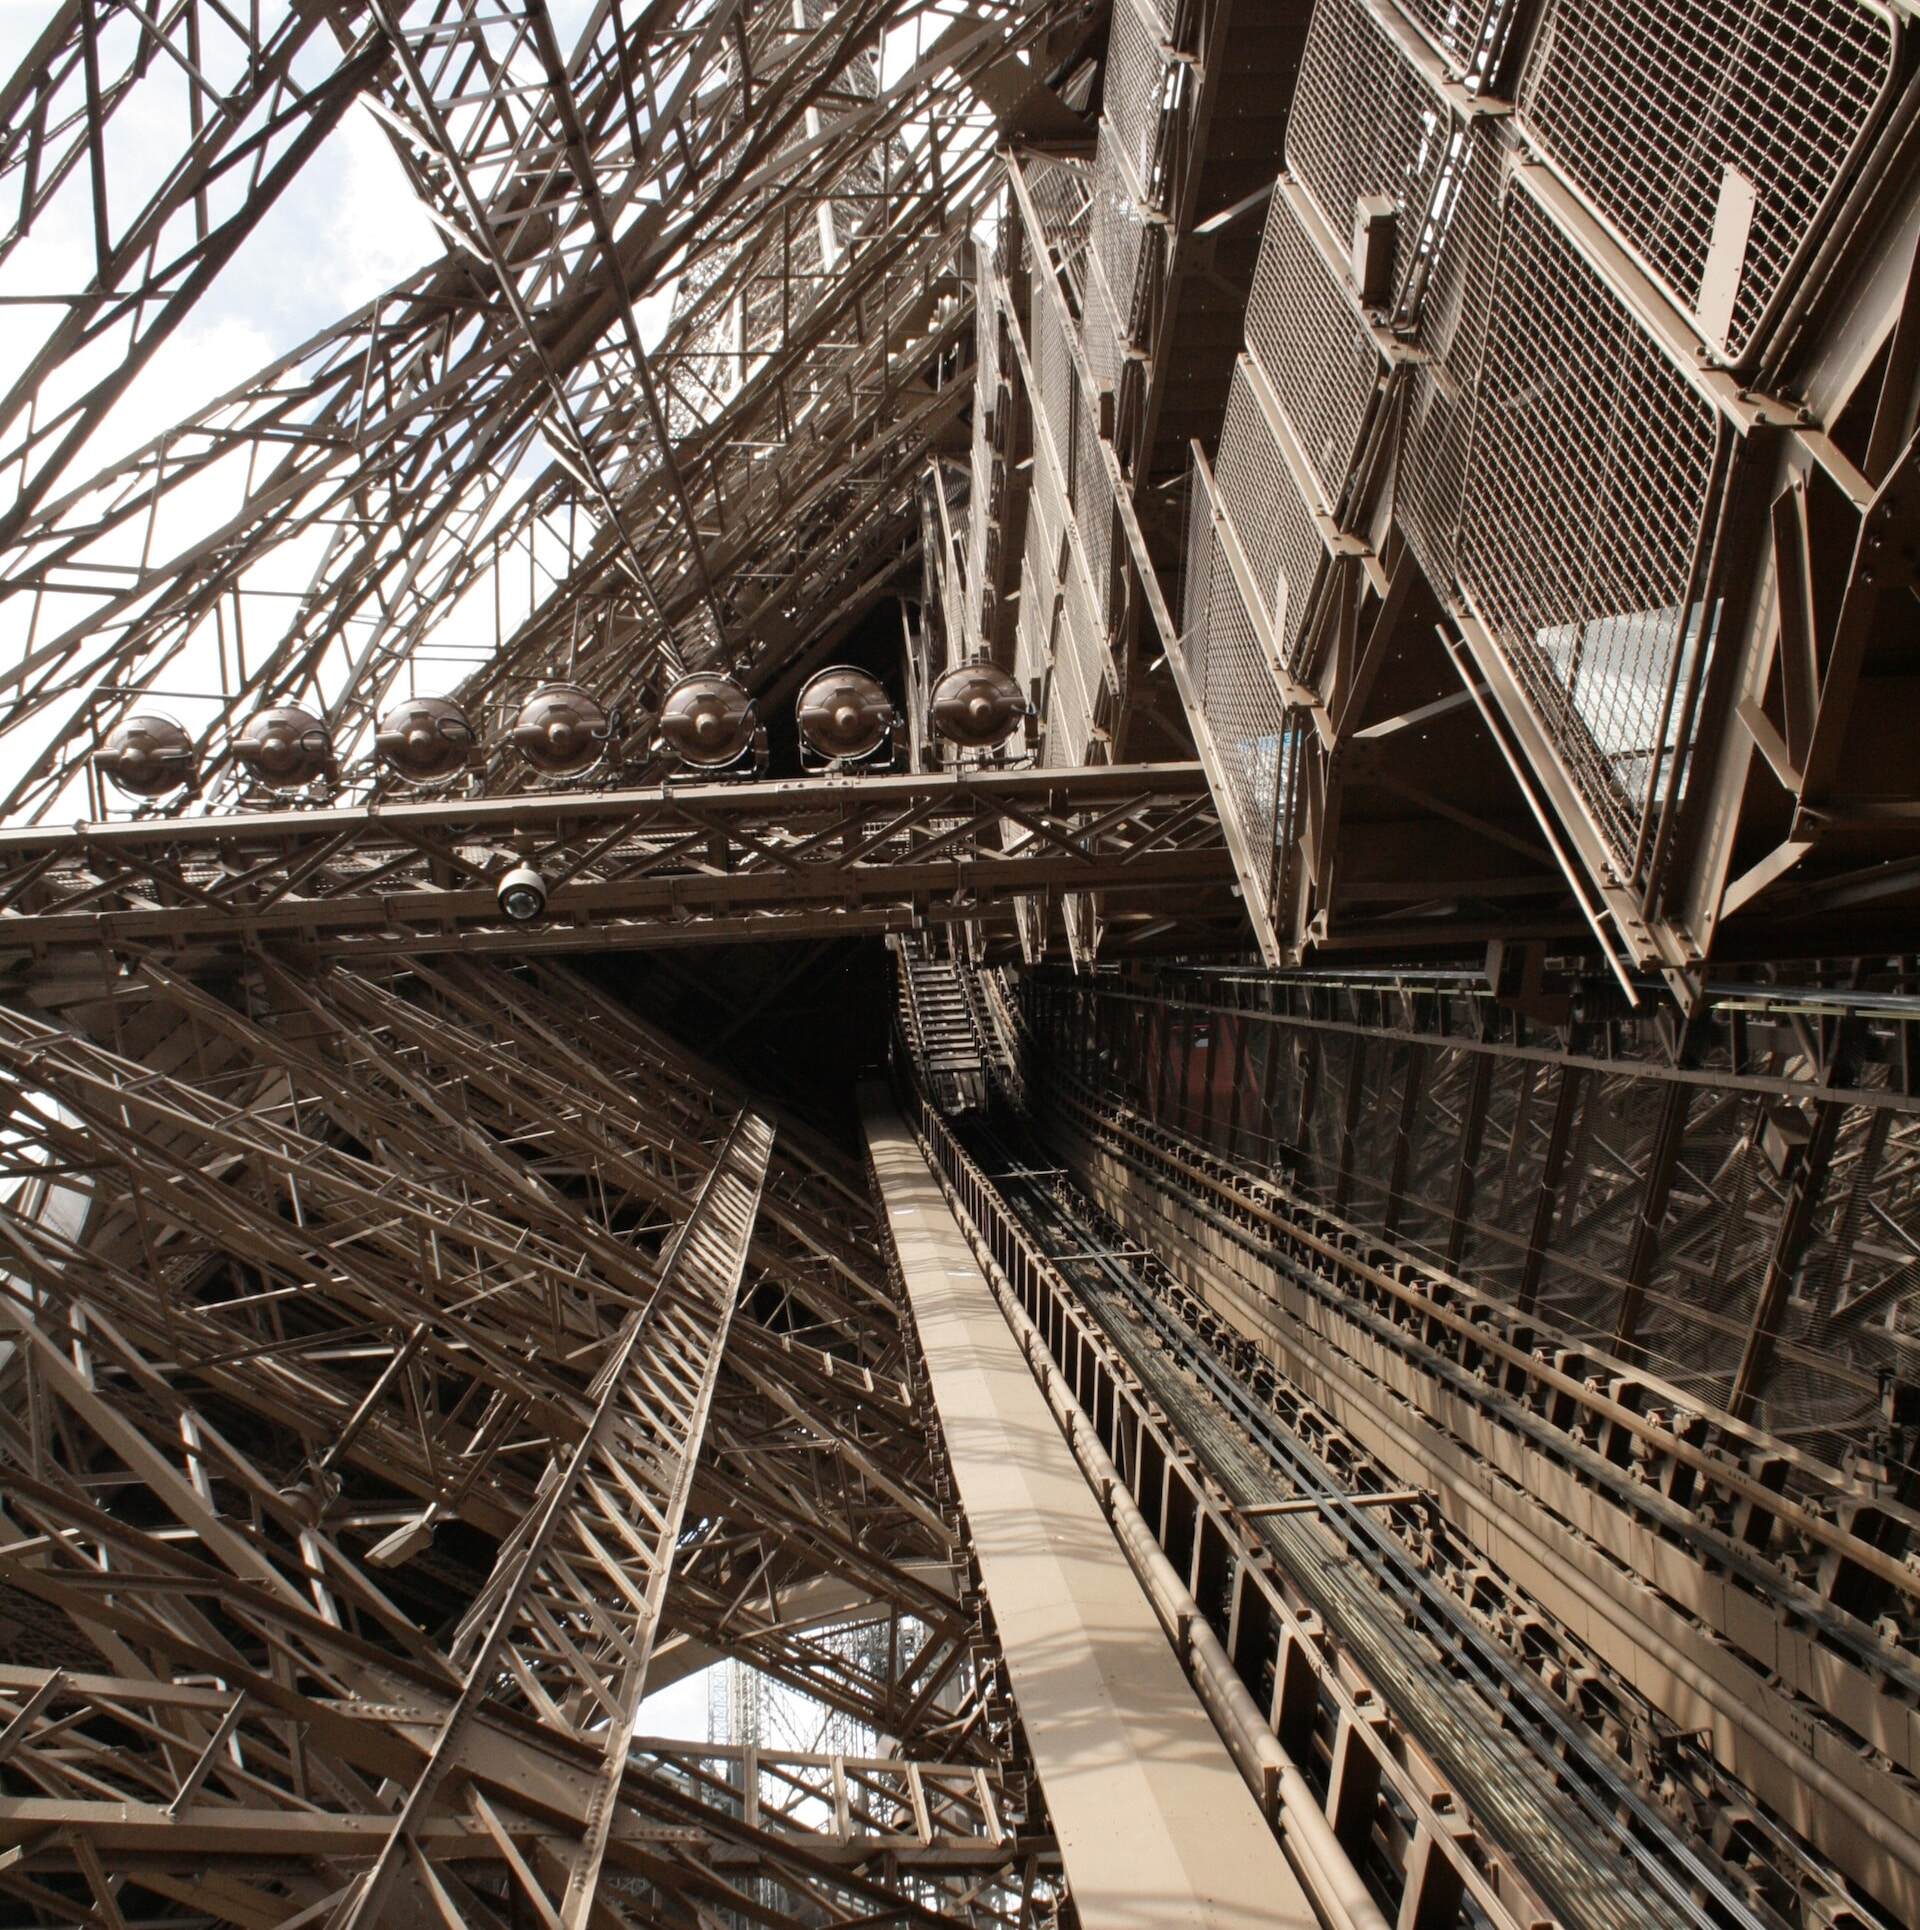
{"x": 943, "y": 1032}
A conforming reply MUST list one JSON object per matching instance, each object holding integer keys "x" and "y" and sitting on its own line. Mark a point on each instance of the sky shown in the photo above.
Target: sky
{"x": 347, "y": 227}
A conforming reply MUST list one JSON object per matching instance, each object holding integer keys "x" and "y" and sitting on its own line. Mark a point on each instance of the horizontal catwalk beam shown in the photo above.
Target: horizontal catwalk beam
{"x": 1153, "y": 1820}
{"x": 666, "y": 865}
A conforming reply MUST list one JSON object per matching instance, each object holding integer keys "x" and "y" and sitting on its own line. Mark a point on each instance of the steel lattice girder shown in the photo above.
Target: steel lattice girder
{"x": 367, "y": 1279}
{"x": 746, "y": 150}
{"x": 625, "y": 868}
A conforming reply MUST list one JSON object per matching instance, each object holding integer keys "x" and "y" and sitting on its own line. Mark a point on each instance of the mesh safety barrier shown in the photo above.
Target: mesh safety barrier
{"x": 1589, "y": 485}
{"x": 1262, "y": 501}
{"x": 1365, "y": 123}
{"x": 1241, "y": 706}
{"x": 1312, "y": 347}
{"x": 1712, "y": 134}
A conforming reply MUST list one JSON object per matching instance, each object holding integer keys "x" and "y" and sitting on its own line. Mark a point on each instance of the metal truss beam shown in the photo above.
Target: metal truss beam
{"x": 602, "y": 1536}
{"x": 626, "y": 868}
{"x": 730, "y": 487}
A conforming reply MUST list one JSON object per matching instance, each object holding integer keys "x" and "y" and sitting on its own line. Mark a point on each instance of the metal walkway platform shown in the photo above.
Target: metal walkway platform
{"x": 1154, "y": 1823}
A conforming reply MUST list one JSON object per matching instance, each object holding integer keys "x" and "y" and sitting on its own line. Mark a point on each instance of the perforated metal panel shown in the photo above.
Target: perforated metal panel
{"x": 1364, "y": 122}
{"x": 1261, "y": 500}
{"x": 1589, "y": 485}
{"x": 1712, "y": 134}
{"x": 1312, "y": 346}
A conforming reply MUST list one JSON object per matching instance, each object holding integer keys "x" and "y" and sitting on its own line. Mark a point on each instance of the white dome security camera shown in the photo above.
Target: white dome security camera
{"x": 522, "y": 895}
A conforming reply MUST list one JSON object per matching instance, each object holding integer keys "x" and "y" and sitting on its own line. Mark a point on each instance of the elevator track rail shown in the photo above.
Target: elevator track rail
{"x": 1593, "y": 1846}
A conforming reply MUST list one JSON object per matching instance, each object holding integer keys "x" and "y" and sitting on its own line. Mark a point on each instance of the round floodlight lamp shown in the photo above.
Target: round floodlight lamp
{"x": 561, "y": 730}
{"x": 284, "y": 747}
{"x": 707, "y": 719}
{"x": 844, "y": 712}
{"x": 425, "y": 740}
{"x": 147, "y": 755}
{"x": 976, "y": 706}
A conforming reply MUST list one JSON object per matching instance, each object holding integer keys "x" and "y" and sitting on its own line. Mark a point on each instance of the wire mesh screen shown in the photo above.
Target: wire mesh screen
{"x": 1253, "y": 735}
{"x": 1053, "y": 376}
{"x": 1262, "y": 501}
{"x": 1069, "y": 700}
{"x": 1100, "y": 332}
{"x": 1136, "y": 83}
{"x": 1364, "y": 122}
{"x": 1093, "y": 506}
{"x": 1589, "y": 486}
{"x": 1465, "y": 32}
{"x": 980, "y": 505}
{"x": 1118, "y": 233}
{"x": 1312, "y": 347}
{"x": 1033, "y": 637}
{"x": 1439, "y": 409}
{"x": 1712, "y": 134}
{"x": 1062, "y": 194}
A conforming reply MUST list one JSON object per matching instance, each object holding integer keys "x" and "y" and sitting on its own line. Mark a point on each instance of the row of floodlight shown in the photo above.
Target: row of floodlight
{"x": 707, "y": 721}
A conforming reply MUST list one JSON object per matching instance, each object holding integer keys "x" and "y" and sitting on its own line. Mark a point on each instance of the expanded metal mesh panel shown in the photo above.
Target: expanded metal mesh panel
{"x": 1439, "y": 407}
{"x": 1312, "y": 346}
{"x": 1262, "y": 501}
{"x": 1239, "y": 702}
{"x": 1365, "y": 123}
{"x": 1589, "y": 485}
{"x": 1135, "y": 86}
{"x": 1710, "y": 131}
